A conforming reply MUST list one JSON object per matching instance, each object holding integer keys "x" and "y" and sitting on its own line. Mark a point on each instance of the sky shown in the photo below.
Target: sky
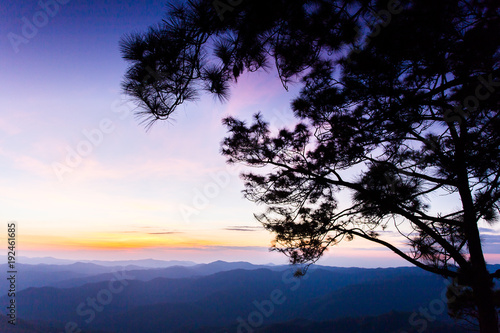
{"x": 83, "y": 178}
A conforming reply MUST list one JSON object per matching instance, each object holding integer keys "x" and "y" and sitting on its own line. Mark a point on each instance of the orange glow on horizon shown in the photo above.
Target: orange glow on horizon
{"x": 124, "y": 241}
{"x": 194, "y": 243}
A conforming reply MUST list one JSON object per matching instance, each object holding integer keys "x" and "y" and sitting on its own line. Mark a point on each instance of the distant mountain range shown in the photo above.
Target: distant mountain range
{"x": 152, "y": 263}
{"x": 80, "y": 273}
{"x": 224, "y": 297}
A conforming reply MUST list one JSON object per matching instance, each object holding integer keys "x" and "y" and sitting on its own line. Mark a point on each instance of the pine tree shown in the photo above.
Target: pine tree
{"x": 406, "y": 92}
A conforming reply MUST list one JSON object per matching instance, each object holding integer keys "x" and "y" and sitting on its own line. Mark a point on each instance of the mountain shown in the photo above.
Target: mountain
{"x": 80, "y": 273}
{"x": 223, "y": 296}
{"x": 377, "y": 297}
{"x": 392, "y": 322}
{"x": 173, "y": 272}
{"x": 44, "y": 260}
{"x": 45, "y": 275}
{"x": 23, "y": 326}
{"x": 151, "y": 263}
{"x": 219, "y": 300}
{"x": 303, "y": 300}
{"x": 61, "y": 304}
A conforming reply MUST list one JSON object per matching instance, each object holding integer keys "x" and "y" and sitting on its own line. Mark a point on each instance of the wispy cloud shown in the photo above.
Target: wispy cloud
{"x": 488, "y": 230}
{"x": 243, "y": 228}
{"x": 150, "y": 233}
{"x": 491, "y": 239}
{"x": 9, "y": 127}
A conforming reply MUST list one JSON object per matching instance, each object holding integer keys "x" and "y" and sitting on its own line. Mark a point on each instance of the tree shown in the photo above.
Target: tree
{"x": 405, "y": 92}
{"x": 463, "y": 305}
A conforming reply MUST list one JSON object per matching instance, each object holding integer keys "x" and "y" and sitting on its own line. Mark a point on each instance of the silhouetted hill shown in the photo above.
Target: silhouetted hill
{"x": 183, "y": 304}
{"x": 81, "y": 273}
{"x": 393, "y": 322}
{"x": 149, "y": 263}
{"x": 23, "y": 326}
{"x": 44, "y": 260}
{"x": 45, "y": 275}
{"x": 60, "y": 304}
{"x": 223, "y": 307}
{"x": 173, "y": 272}
{"x": 376, "y": 298}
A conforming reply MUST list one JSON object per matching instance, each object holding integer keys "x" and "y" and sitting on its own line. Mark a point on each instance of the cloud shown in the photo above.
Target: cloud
{"x": 488, "y": 230}
{"x": 490, "y": 239}
{"x": 371, "y": 249}
{"x": 95, "y": 168}
{"x": 232, "y": 248}
{"x": 243, "y": 228}
{"x": 9, "y": 127}
{"x": 150, "y": 233}
{"x": 390, "y": 233}
{"x": 25, "y": 162}
{"x": 252, "y": 91}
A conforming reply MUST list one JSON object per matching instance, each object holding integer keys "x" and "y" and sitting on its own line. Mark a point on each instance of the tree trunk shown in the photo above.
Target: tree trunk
{"x": 482, "y": 283}
{"x": 483, "y": 296}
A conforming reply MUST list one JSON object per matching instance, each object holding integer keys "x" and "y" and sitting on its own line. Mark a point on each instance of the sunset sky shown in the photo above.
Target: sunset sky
{"x": 165, "y": 193}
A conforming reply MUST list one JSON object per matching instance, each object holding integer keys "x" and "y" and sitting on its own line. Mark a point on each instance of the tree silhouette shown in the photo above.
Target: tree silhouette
{"x": 405, "y": 92}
